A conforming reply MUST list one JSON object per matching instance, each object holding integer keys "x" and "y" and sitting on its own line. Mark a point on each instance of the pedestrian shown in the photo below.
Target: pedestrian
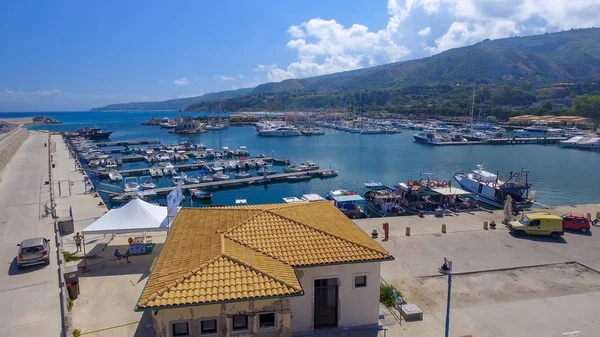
{"x": 120, "y": 256}
{"x": 78, "y": 238}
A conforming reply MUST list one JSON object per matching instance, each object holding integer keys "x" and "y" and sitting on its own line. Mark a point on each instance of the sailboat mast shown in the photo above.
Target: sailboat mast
{"x": 472, "y": 106}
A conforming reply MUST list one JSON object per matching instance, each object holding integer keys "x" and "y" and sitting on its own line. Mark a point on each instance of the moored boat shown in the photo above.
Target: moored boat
{"x": 200, "y": 194}
{"x": 492, "y": 189}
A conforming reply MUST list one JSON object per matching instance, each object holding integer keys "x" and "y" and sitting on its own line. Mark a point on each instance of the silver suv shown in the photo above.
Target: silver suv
{"x": 33, "y": 251}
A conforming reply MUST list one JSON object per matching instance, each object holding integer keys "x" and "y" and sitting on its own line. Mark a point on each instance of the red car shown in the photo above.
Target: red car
{"x": 576, "y": 221}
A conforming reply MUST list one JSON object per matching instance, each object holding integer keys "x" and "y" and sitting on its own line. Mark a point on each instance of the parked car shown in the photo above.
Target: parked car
{"x": 575, "y": 221}
{"x": 33, "y": 251}
{"x": 537, "y": 224}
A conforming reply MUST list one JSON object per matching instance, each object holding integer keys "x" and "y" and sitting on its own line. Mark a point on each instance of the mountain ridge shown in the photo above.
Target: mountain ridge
{"x": 174, "y": 104}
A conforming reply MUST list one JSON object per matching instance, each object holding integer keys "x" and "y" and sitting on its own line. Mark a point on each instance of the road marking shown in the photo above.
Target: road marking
{"x": 109, "y": 328}
{"x": 23, "y": 287}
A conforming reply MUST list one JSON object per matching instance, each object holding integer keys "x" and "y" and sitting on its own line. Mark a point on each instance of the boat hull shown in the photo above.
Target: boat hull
{"x": 99, "y": 135}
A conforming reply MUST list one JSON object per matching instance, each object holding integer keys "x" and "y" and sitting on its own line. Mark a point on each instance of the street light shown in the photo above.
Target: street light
{"x": 446, "y": 269}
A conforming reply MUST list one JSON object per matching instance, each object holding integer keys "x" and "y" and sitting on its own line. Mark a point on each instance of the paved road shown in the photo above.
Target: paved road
{"x": 29, "y": 299}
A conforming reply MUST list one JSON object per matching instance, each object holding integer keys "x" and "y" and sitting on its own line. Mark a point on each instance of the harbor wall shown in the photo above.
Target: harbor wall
{"x": 10, "y": 144}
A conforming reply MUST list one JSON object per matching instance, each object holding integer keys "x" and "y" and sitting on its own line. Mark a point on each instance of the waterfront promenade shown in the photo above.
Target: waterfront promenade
{"x": 29, "y": 297}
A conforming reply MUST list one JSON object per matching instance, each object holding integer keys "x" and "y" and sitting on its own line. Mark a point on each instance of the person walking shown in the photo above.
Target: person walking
{"x": 78, "y": 238}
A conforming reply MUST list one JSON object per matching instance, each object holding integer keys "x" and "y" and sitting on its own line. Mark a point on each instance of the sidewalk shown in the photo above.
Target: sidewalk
{"x": 108, "y": 292}
{"x": 30, "y": 297}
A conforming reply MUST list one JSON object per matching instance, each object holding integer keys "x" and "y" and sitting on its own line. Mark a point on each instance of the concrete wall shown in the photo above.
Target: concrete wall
{"x": 223, "y": 313}
{"x": 356, "y": 306}
{"x": 10, "y": 144}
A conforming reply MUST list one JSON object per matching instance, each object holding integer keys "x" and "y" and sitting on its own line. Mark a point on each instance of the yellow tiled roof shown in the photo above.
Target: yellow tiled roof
{"x": 243, "y": 252}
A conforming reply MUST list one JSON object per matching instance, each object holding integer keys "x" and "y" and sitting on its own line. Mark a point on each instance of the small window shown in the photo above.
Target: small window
{"x": 240, "y": 322}
{"x": 266, "y": 320}
{"x": 360, "y": 281}
{"x": 181, "y": 329}
{"x": 208, "y": 326}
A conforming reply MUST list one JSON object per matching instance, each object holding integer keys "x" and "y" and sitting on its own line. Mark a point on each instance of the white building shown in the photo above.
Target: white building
{"x": 267, "y": 270}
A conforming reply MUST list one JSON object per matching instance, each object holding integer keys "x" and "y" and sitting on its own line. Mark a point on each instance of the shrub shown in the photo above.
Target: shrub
{"x": 76, "y": 332}
{"x": 386, "y": 295}
{"x": 68, "y": 256}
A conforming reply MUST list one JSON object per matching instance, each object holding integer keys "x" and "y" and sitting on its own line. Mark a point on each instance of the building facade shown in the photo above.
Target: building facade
{"x": 266, "y": 270}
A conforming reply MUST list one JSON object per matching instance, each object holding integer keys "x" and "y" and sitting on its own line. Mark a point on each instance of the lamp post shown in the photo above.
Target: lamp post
{"x": 446, "y": 269}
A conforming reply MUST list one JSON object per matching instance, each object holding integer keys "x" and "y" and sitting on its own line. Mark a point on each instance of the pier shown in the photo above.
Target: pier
{"x": 280, "y": 177}
{"x": 505, "y": 141}
{"x": 182, "y": 167}
{"x": 127, "y": 143}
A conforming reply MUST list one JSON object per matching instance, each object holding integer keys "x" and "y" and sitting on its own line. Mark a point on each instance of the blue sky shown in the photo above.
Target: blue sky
{"x": 75, "y": 55}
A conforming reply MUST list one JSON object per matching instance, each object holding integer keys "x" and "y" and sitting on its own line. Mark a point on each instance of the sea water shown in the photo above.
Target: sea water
{"x": 559, "y": 176}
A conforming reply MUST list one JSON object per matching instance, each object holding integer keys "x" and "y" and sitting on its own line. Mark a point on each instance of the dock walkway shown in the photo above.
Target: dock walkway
{"x": 183, "y": 167}
{"x": 231, "y": 182}
{"x": 505, "y": 141}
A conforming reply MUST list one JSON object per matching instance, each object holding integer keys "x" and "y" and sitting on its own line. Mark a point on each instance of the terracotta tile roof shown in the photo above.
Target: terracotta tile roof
{"x": 243, "y": 252}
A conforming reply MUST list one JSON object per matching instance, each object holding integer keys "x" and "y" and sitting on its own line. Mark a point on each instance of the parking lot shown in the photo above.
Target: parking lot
{"x": 504, "y": 285}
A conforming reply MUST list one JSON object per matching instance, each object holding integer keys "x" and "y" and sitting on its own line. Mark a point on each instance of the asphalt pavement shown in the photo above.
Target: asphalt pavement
{"x": 29, "y": 298}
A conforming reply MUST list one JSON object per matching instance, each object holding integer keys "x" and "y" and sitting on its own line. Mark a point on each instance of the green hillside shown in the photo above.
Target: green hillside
{"x": 569, "y": 55}
{"x": 175, "y": 104}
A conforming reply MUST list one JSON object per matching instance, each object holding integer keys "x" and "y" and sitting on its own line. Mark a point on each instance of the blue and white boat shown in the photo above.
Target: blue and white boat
{"x": 492, "y": 190}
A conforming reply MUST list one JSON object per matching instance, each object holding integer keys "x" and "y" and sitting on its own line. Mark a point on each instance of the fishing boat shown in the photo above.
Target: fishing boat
{"x": 146, "y": 183}
{"x": 242, "y": 174}
{"x": 200, "y": 194}
{"x": 338, "y": 193}
{"x": 492, "y": 189}
{"x": 382, "y": 203}
{"x": 115, "y": 176}
{"x": 131, "y": 185}
{"x": 301, "y": 177}
{"x": 329, "y": 174}
{"x": 352, "y": 205}
{"x": 220, "y": 176}
{"x": 91, "y": 133}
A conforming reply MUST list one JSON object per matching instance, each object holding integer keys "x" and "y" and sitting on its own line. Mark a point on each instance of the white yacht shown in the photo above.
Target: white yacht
{"x": 592, "y": 143}
{"x": 492, "y": 189}
{"x": 538, "y": 130}
{"x": 282, "y": 131}
{"x": 131, "y": 185}
{"x": 572, "y": 142}
{"x": 169, "y": 170}
{"x": 428, "y": 137}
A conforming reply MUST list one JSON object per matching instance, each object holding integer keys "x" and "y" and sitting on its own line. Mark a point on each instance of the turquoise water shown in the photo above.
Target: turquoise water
{"x": 560, "y": 176}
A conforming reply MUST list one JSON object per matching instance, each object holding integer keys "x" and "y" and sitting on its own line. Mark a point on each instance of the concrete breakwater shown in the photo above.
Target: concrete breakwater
{"x": 10, "y": 144}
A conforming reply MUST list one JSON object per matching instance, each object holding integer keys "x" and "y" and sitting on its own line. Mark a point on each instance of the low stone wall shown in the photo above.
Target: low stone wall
{"x": 10, "y": 145}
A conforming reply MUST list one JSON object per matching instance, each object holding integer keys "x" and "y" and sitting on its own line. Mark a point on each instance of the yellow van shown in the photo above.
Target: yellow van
{"x": 537, "y": 224}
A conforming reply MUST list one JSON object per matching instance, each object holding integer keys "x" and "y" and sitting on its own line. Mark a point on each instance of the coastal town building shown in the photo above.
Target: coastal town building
{"x": 264, "y": 270}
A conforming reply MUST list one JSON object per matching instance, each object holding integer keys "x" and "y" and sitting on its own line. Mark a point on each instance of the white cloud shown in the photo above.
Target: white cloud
{"x": 225, "y": 78}
{"x": 475, "y": 20}
{"x": 182, "y": 81}
{"x": 424, "y": 32}
{"x": 326, "y": 46}
{"x": 240, "y": 76}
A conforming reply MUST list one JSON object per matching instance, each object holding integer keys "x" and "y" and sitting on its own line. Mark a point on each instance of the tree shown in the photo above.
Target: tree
{"x": 587, "y": 106}
{"x": 547, "y": 105}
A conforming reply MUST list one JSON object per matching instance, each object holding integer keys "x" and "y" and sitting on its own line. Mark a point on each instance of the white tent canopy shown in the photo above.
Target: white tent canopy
{"x": 135, "y": 217}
